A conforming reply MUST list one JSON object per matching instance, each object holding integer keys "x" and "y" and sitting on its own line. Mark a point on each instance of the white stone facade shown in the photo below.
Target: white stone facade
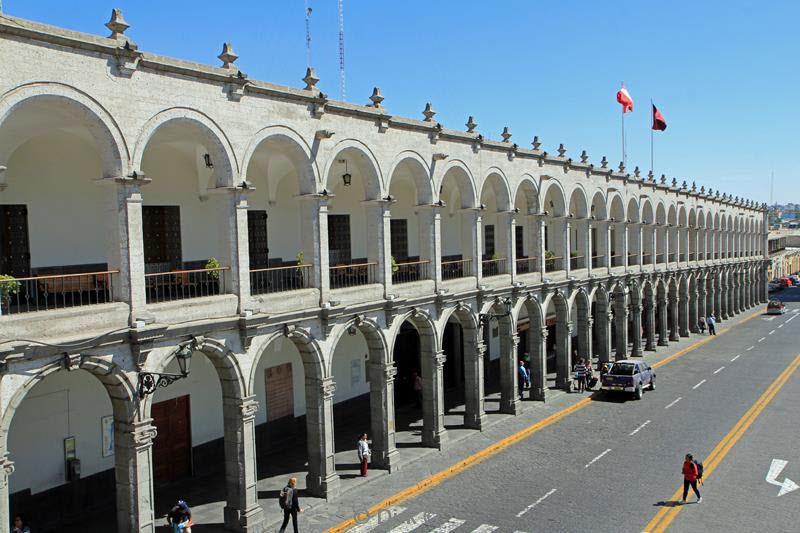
{"x": 93, "y": 131}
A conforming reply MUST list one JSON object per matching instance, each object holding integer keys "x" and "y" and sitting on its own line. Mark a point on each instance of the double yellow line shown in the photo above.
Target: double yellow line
{"x": 667, "y": 514}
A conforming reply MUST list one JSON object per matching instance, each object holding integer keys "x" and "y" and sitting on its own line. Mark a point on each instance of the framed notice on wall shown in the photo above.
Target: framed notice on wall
{"x": 107, "y": 434}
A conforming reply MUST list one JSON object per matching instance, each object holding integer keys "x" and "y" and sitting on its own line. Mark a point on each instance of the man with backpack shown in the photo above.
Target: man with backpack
{"x": 290, "y": 504}
{"x": 524, "y": 378}
{"x": 692, "y": 472}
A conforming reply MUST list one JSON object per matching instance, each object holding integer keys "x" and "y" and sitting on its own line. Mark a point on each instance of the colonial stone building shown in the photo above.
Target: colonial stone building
{"x": 301, "y": 253}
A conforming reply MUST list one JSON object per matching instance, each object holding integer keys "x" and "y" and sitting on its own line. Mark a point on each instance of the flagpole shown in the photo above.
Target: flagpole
{"x": 622, "y": 84}
{"x": 651, "y": 138}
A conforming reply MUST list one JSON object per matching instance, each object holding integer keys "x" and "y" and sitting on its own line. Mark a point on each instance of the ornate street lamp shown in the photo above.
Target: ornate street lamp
{"x": 150, "y": 381}
{"x": 487, "y": 317}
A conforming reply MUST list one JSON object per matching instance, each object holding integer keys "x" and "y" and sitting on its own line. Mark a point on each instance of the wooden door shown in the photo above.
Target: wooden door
{"x": 398, "y": 228}
{"x": 257, "y": 239}
{"x": 172, "y": 448}
{"x": 161, "y": 228}
{"x": 339, "y": 239}
{"x": 15, "y": 253}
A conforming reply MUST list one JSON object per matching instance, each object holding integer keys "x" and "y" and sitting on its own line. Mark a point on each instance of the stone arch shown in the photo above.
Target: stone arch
{"x": 111, "y": 144}
{"x": 536, "y": 347}
{"x": 213, "y": 138}
{"x": 293, "y": 146}
{"x": 553, "y": 193}
{"x": 308, "y": 347}
{"x": 366, "y": 162}
{"x": 563, "y": 336}
{"x": 496, "y": 179}
{"x": 420, "y": 173}
{"x": 376, "y": 341}
{"x": 464, "y": 180}
{"x": 598, "y": 210}
{"x": 526, "y": 187}
{"x": 633, "y": 210}
{"x": 578, "y": 203}
{"x": 616, "y": 208}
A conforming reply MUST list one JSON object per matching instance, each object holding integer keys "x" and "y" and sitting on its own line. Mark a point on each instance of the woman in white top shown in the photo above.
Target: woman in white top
{"x": 363, "y": 453}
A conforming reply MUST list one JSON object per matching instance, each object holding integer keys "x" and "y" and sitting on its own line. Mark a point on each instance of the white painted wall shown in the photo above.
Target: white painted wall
{"x": 276, "y": 193}
{"x": 349, "y": 367}
{"x": 64, "y": 404}
{"x": 278, "y": 352}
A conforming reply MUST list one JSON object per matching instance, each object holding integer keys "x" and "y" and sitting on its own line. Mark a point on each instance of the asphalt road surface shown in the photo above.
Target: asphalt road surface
{"x": 615, "y": 465}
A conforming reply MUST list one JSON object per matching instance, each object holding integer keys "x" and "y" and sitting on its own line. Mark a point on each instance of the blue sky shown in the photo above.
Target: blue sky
{"x": 724, "y": 74}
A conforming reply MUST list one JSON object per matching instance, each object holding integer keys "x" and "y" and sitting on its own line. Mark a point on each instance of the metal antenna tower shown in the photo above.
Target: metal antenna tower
{"x": 308, "y": 34}
{"x": 341, "y": 51}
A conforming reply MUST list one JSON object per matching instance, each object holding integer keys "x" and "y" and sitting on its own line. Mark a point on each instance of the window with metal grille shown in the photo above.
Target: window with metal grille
{"x": 488, "y": 240}
{"x": 339, "y": 239}
{"x": 399, "y": 238}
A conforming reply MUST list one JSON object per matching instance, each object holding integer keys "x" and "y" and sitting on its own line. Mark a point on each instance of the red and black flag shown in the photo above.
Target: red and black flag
{"x": 659, "y": 124}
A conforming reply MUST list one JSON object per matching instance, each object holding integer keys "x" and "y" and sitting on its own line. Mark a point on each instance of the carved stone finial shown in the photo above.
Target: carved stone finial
{"x": 536, "y": 144}
{"x": 117, "y": 24}
{"x": 663, "y": 179}
{"x": 622, "y": 167}
{"x": 561, "y": 150}
{"x": 636, "y": 171}
{"x": 694, "y": 186}
{"x": 376, "y": 98}
{"x": 584, "y": 157}
{"x": 227, "y": 56}
{"x": 710, "y": 191}
{"x": 702, "y": 189}
{"x": 506, "y": 135}
{"x": 310, "y": 79}
{"x": 651, "y": 177}
{"x": 604, "y": 162}
{"x": 471, "y": 125}
{"x": 429, "y": 112}
{"x": 717, "y": 195}
{"x": 684, "y": 185}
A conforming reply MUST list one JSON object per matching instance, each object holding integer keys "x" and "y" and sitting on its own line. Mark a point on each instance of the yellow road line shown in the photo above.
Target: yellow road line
{"x": 667, "y": 514}
{"x": 442, "y": 475}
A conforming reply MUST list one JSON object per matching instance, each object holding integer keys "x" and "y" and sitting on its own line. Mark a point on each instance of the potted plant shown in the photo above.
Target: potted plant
{"x": 212, "y": 266}
{"x": 395, "y": 268}
{"x": 8, "y": 286}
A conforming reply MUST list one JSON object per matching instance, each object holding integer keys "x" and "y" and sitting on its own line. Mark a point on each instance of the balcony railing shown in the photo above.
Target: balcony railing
{"x": 184, "y": 284}
{"x": 58, "y": 291}
{"x": 616, "y": 260}
{"x": 576, "y": 262}
{"x": 716, "y": 255}
{"x": 647, "y": 259}
{"x": 659, "y": 258}
{"x": 553, "y": 264}
{"x": 493, "y": 267}
{"x": 352, "y": 275}
{"x": 598, "y": 261}
{"x": 683, "y": 257}
{"x": 526, "y": 265}
{"x": 460, "y": 268}
{"x": 672, "y": 257}
{"x": 692, "y": 256}
{"x": 410, "y": 271}
{"x": 633, "y": 259}
{"x": 280, "y": 279}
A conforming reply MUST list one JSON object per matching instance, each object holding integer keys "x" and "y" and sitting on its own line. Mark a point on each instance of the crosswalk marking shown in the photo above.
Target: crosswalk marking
{"x": 450, "y": 525}
{"x": 485, "y": 528}
{"x": 376, "y": 519}
{"x": 413, "y": 523}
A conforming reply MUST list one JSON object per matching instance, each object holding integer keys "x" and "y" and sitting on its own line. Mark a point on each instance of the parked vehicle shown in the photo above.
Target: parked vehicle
{"x": 775, "y": 307}
{"x": 795, "y": 279}
{"x": 629, "y": 376}
{"x": 775, "y": 286}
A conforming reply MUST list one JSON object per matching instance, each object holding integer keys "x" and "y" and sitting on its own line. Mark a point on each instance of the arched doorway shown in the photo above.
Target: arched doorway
{"x": 458, "y": 197}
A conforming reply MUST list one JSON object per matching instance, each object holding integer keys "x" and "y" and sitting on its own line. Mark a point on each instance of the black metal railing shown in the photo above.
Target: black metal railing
{"x": 280, "y": 279}
{"x": 659, "y": 258}
{"x": 576, "y": 262}
{"x": 456, "y": 269}
{"x": 553, "y": 264}
{"x": 352, "y": 275}
{"x": 647, "y": 259}
{"x": 616, "y": 260}
{"x": 184, "y": 284}
{"x": 683, "y": 257}
{"x": 493, "y": 267}
{"x": 410, "y": 271}
{"x": 598, "y": 261}
{"x": 672, "y": 257}
{"x": 58, "y": 291}
{"x": 526, "y": 265}
{"x": 692, "y": 256}
{"x": 633, "y": 259}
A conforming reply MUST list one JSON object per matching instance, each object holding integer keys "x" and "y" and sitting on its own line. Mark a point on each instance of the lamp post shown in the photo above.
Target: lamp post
{"x": 150, "y": 381}
{"x": 487, "y": 317}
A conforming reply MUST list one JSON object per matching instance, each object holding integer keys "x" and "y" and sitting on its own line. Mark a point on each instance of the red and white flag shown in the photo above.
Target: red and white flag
{"x": 659, "y": 124}
{"x": 625, "y": 99}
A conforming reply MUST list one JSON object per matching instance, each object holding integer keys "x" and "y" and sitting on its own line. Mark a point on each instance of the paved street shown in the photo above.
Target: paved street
{"x": 615, "y": 463}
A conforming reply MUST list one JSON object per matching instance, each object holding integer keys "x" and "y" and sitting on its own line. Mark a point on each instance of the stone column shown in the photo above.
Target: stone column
{"x": 563, "y": 354}
{"x": 6, "y": 469}
{"x": 474, "y": 411}
{"x": 654, "y": 247}
{"x": 650, "y": 325}
{"x": 608, "y": 246}
{"x": 133, "y": 470}
{"x": 701, "y": 300}
{"x": 382, "y": 415}
{"x": 683, "y": 314}
{"x": 725, "y": 291}
{"x": 567, "y": 246}
{"x": 709, "y": 298}
{"x": 589, "y": 251}
{"x": 242, "y": 511}
{"x": 673, "y": 327}
{"x": 538, "y": 354}
{"x": 621, "y": 324}
{"x": 718, "y": 300}
{"x": 662, "y": 322}
{"x": 693, "y": 310}
{"x": 541, "y": 227}
{"x": 585, "y": 335}
{"x": 430, "y": 241}
{"x": 124, "y": 242}
{"x": 379, "y": 242}
{"x": 636, "y": 311}
{"x": 434, "y": 434}
{"x": 472, "y": 240}
{"x": 604, "y": 335}
{"x": 322, "y": 479}
{"x": 314, "y": 241}
{"x": 506, "y": 241}
{"x": 509, "y": 386}
{"x": 625, "y": 245}
{"x": 641, "y": 246}
{"x": 235, "y": 244}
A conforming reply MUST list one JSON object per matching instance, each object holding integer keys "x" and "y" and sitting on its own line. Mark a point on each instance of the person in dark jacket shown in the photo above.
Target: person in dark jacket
{"x": 180, "y": 518}
{"x": 690, "y": 477}
{"x": 292, "y": 507}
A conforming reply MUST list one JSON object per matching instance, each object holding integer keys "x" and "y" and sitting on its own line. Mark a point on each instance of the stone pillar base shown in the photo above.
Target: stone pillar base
{"x": 476, "y": 421}
{"x": 390, "y": 463}
{"x": 538, "y": 394}
{"x": 565, "y": 384}
{"x": 434, "y": 439}
{"x": 649, "y": 347}
{"x": 511, "y": 407}
{"x": 327, "y": 488}
{"x": 684, "y": 333}
{"x": 251, "y": 520}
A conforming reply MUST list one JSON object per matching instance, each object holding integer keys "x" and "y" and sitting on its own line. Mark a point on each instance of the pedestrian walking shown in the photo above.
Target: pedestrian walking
{"x": 690, "y": 475}
{"x": 701, "y": 325}
{"x": 712, "y": 330}
{"x": 417, "y": 384}
{"x": 180, "y": 518}
{"x": 524, "y": 378}
{"x": 580, "y": 374}
{"x": 589, "y": 375}
{"x": 20, "y": 526}
{"x": 363, "y": 453}
{"x": 291, "y": 504}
